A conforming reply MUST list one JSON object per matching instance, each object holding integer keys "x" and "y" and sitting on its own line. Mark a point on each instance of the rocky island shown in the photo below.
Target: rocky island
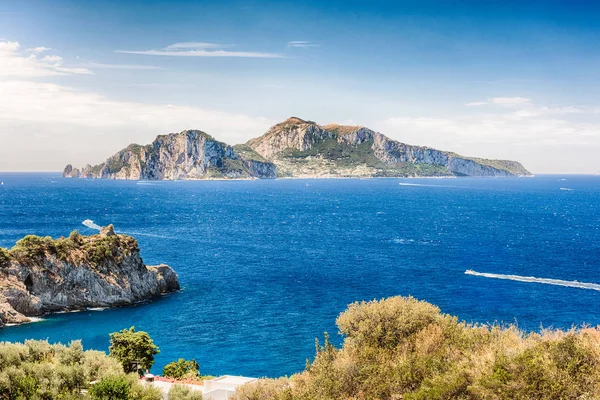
{"x": 294, "y": 148}
{"x": 43, "y": 275}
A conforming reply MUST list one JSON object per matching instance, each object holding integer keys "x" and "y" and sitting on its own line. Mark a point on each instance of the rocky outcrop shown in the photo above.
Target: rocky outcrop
{"x": 43, "y": 275}
{"x": 293, "y": 148}
{"x": 70, "y": 172}
{"x": 304, "y": 149}
{"x": 190, "y": 154}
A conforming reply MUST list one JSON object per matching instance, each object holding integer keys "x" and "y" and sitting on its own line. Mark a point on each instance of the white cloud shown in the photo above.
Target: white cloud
{"x": 93, "y": 65}
{"x": 40, "y": 49}
{"x": 531, "y": 134}
{"x": 59, "y": 125}
{"x": 200, "y": 49}
{"x": 509, "y": 101}
{"x": 15, "y": 64}
{"x": 476, "y": 103}
{"x": 302, "y": 43}
{"x": 195, "y": 46}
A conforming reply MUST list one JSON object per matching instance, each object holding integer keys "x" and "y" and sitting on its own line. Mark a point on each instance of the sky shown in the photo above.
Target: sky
{"x": 79, "y": 80}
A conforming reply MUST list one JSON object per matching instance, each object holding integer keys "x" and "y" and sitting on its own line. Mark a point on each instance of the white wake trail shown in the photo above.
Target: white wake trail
{"x": 90, "y": 224}
{"x": 533, "y": 279}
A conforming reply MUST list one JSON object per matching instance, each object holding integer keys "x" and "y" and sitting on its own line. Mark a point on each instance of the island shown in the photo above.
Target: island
{"x": 42, "y": 275}
{"x": 294, "y": 148}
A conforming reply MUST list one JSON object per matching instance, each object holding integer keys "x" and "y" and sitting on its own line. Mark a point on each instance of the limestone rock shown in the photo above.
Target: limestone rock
{"x": 42, "y": 275}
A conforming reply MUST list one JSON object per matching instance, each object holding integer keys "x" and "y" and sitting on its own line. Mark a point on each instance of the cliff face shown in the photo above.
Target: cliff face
{"x": 305, "y": 149}
{"x": 293, "y": 148}
{"x": 190, "y": 154}
{"x": 41, "y": 275}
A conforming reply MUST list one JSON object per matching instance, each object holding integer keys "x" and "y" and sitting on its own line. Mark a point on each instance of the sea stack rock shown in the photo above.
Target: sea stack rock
{"x": 70, "y": 172}
{"x": 43, "y": 275}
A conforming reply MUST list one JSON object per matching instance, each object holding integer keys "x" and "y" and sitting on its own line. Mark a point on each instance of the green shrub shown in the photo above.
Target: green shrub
{"x": 402, "y": 348}
{"x": 111, "y": 388}
{"x": 182, "y": 369}
{"x": 4, "y": 258}
{"x": 181, "y": 392}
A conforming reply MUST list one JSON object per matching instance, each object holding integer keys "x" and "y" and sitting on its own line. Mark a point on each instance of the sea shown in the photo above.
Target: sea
{"x": 266, "y": 266}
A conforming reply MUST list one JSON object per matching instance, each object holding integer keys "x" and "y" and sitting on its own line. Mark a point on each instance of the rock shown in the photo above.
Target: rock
{"x": 293, "y": 148}
{"x": 70, "y": 172}
{"x": 107, "y": 231}
{"x": 304, "y": 149}
{"x": 105, "y": 270}
{"x": 190, "y": 154}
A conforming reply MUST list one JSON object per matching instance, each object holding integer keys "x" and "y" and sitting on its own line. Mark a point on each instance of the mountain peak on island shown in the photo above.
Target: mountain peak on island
{"x": 293, "y": 148}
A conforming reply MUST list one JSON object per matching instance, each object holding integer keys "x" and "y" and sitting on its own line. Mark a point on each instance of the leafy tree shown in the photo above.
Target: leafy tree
{"x": 182, "y": 369}
{"x": 111, "y": 388}
{"x": 134, "y": 350}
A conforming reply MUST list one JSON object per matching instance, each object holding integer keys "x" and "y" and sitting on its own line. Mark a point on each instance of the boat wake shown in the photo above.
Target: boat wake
{"x": 90, "y": 224}
{"x": 425, "y": 185}
{"x": 533, "y": 279}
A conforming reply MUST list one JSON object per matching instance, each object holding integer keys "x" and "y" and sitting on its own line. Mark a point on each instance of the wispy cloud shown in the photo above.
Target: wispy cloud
{"x": 528, "y": 124}
{"x": 95, "y": 126}
{"x": 93, "y": 65}
{"x": 476, "y": 104}
{"x": 201, "y": 49}
{"x": 195, "y": 46}
{"x": 501, "y": 101}
{"x": 509, "y": 101}
{"x": 302, "y": 43}
{"x": 40, "y": 49}
{"x": 15, "y": 64}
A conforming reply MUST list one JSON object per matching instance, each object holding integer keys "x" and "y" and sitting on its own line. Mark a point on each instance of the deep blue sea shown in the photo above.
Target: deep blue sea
{"x": 266, "y": 266}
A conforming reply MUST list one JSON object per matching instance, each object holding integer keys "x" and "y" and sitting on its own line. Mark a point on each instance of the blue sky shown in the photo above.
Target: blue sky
{"x": 498, "y": 79}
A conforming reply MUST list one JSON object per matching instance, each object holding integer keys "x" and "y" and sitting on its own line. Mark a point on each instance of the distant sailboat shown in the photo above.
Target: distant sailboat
{"x": 1, "y": 183}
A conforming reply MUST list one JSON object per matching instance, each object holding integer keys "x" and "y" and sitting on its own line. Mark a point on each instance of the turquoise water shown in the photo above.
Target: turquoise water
{"x": 266, "y": 266}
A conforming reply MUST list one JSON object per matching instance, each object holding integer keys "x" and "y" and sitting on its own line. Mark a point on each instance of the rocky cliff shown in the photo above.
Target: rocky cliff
{"x": 304, "y": 149}
{"x": 189, "y": 154}
{"x": 293, "y": 148}
{"x": 42, "y": 275}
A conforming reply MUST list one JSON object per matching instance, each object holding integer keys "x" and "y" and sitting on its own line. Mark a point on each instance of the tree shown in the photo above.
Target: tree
{"x": 134, "y": 350}
{"x": 111, "y": 388}
{"x": 182, "y": 369}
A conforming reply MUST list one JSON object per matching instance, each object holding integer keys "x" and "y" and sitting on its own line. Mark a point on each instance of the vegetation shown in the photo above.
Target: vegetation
{"x": 134, "y": 350}
{"x": 248, "y": 153}
{"x": 96, "y": 250}
{"x": 182, "y": 369}
{"x": 402, "y": 348}
{"x": 40, "y": 370}
{"x": 181, "y": 392}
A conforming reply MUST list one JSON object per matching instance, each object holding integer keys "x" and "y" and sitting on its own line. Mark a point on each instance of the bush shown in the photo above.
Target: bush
{"x": 4, "y": 258}
{"x": 134, "y": 350}
{"x": 181, "y": 392}
{"x": 181, "y": 369}
{"x": 264, "y": 389}
{"x": 402, "y": 348}
{"x": 111, "y": 388}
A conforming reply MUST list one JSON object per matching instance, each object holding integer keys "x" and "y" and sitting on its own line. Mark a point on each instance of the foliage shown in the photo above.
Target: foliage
{"x": 266, "y": 389}
{"x": 111, "y": 388}
{"x": 97, "y": 250}
{"x": 40, "y": 370}
{"x": 402, "y": 348}
{"x": 182, "y": 369}
{"x": 130, "y": 348}
{"x": 181, "y": 392}
{"x": 4, "y": 257}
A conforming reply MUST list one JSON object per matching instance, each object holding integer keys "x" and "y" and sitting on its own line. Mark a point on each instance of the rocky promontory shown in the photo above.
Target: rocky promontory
{"x": 190, "y": 154}
{"x": 293, "y": 148}
{"x": 43, "y": 275}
